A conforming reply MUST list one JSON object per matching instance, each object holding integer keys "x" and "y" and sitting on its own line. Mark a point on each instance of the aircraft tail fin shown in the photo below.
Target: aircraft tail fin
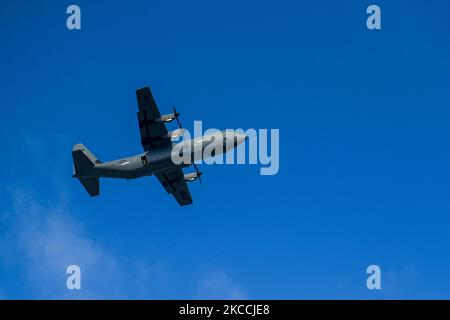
{"x": 83, "y": 163}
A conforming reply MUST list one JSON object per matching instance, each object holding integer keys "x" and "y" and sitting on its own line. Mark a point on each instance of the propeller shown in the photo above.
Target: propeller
{"x": 177, "y": 114}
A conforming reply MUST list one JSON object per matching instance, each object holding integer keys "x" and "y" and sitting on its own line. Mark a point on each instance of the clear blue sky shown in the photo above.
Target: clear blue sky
{"x": 364, "y": 149}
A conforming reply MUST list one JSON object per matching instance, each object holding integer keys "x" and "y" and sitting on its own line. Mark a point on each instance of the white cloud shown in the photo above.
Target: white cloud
{"x": 398, "y": 283}
{"x": 217, "y": 285}
{"x": 44, "y": 239}
{"x": 48, "y": 240}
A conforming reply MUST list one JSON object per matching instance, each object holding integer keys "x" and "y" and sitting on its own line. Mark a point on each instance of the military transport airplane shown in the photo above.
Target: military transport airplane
{"x": 157, "y": 156}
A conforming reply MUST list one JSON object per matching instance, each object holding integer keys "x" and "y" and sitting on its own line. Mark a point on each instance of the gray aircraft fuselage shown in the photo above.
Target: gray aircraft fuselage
{"x": 160, "y": 159}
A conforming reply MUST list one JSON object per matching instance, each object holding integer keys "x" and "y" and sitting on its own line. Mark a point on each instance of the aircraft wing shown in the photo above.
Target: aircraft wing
{"x": 153, "y": 132}
{"x": 174, "y": 183}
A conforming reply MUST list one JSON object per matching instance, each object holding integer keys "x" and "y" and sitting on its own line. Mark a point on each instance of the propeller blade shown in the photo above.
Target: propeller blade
{"x": 176, "y": 116}
{"x": 181, "y": 127}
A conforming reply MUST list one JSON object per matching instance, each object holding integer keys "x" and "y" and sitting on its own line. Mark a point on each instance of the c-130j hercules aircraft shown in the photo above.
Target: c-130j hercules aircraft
{"x": 157, "y": 156}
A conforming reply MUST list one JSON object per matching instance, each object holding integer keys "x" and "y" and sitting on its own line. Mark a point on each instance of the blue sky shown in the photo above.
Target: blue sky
{"x": 364, "y": 149}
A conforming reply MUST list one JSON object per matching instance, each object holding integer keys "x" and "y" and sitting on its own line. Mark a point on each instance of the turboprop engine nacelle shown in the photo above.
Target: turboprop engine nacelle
{"x": 190, "y": 177}
{"x": 175, "y": 133}
{"x": 167, "y": 117}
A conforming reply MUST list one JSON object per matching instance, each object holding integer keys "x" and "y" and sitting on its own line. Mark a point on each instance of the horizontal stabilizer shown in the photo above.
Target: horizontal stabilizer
{"x": 92, "y": 185}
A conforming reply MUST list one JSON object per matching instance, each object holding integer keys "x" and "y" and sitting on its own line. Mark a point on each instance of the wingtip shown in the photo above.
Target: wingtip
{"x": 143, "y": 88}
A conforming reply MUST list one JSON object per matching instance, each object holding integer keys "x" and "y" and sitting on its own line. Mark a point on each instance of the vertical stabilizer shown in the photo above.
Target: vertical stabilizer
{"x": 83, "y": 163}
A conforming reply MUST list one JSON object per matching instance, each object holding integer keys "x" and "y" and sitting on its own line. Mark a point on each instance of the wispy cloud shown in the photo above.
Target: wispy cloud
{"x": 218, "y": 285}
{"x": 43, "y": 239}
{"x": 400, "y": 282}
{"x": 48, "y": 240}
